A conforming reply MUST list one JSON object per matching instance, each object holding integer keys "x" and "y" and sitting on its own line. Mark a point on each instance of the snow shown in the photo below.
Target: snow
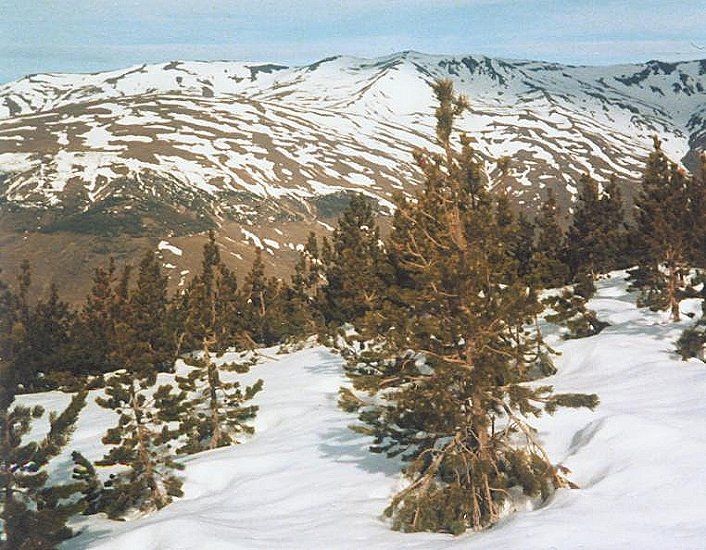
{"x": 304, "y": 480}
{"x": 297, "y": 132}
{"x": 164, "y": 245}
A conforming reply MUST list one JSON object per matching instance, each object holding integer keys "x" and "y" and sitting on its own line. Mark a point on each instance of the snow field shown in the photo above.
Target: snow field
{"x": 304, "y": 480}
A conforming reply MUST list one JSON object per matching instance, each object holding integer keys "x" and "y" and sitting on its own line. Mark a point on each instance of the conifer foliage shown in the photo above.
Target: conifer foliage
{"x": 596, "y": 237}
{"x": 671, "y": 210}
{"x": 215, "y": 412}
{"x": 548, "y": 265}
{"x": 354, "y": 264}
{"x": 141, "y": 439}
{"x": 571, "y": 312}
{"x": 33, "y": 513}
{"x": 443, "y": 386}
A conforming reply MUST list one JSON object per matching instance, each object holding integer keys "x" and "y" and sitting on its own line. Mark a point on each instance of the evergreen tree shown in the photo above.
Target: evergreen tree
{"x": 664, "y": 214}
{"x": 148, "y": 310}
{"x": 34, "y": 514}
{"x": 571, "y": 312}
{"x": 42, "y": 335}
{"x": 302, "y": 301}
{"x": 213, "y": 411}
{"x": 216, "y": 413}
{"x": 141, "y": 439}
{"x": 92, "y": 337}
{"x": 692, "y": 342}
{"x": 445, "y": 379}
{"x": 596, "y": 233}
{"x": 202, "y": 296}
{"x": 49, "y": 336}
{"x": 548, "y": 265}
{"x": 256, "y": 300}
{"x": 308, "y": 272}
{"x": 269, "y": 307}
{"x": 696, "y": 217}
{"x": 354, "y": 266}
{"x": 522, "y": 245}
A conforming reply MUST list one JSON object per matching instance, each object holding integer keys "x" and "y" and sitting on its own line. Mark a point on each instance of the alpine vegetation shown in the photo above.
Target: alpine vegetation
{"x": 444, "y": 384}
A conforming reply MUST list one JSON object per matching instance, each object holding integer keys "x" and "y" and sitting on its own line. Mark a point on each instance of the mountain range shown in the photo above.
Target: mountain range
{"x": 103, "y": 164}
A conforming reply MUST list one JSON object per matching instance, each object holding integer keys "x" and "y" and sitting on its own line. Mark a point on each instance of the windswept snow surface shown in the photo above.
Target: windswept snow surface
{"x": 304, "y": 480}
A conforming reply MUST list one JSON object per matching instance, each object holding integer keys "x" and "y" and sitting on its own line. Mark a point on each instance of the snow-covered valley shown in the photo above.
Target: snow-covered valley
{"x": 305, "y": 480}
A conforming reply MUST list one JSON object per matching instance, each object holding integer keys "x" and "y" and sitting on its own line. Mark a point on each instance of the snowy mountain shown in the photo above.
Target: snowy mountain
{"x": 266, "y": 151}
{"x": 305, "y": 480}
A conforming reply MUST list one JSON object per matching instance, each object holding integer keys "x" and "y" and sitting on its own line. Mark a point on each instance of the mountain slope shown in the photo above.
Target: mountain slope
{"x": 304, "y": 480}
{"x": 175, "y": 148}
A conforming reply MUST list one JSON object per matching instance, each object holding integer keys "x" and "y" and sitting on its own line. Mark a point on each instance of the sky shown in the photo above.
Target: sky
{"x": 94, "y": 35}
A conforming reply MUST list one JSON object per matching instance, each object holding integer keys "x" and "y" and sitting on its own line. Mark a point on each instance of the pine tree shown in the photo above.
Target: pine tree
{"x": 17, "y": 348}
{"x": 49, "y": 336}
{"x": 141, "y": 439}
{"x": 571, "y": 312}
{"x": 92, "y": 334}
{"x": 354, "y": 267}
{"x": 308, "y": 275}
{"x": 215, "y": 413}
{"x": 212, "y": 412}
{"x": 445, "y": 380}
{"x": 267, "y": 307}
{"x": 302, "y": 300}
{"x": 522, "y": 245}
{"x": 664, "y": 215}
{"x": 596, "y": 233}
{"x": 256, "y": 300}
{"x": 692, "y": 342}
{"x": 42, "y": 334}
{"x": 548, "y": 265}
{"x": 615, "y": 226}
{"x": 148, "y": 309}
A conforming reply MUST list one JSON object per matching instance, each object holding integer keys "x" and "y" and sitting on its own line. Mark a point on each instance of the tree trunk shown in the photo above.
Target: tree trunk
{"x": 213, "y": 385}
{"x": 672, "y": 283}
{"x": 158, "y": 496}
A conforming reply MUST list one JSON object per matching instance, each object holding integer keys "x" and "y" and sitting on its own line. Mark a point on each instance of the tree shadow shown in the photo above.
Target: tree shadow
{"x": 342, "y": 445}
{"x": 339, "y": 442}
{"x": 86, "y": 538}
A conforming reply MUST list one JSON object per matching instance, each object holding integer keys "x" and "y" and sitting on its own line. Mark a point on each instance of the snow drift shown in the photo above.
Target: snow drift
{"x": 304, "y": 480}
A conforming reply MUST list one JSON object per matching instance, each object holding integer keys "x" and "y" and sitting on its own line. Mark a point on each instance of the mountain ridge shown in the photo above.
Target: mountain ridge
{"x": 268, "y": 152}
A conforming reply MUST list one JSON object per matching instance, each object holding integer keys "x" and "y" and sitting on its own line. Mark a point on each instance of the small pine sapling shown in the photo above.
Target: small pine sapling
{"x": 217, "y": 411}
{"x": 692, "y": 342}
{"x": 141, "y": 442}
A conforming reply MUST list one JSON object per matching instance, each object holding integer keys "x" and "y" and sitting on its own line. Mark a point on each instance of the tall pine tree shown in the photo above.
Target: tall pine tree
{"x": 548, "y": 265}
{"x": 354, "y": 265}
{"x": 597, "y": 230}
{"x": 665, "y": 214}
{"x": 34, "y": 513}
{"x": 142, "y": 439}
{"x": 445, "y": 380}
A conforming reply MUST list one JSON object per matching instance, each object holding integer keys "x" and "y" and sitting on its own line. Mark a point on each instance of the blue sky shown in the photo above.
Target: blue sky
{"x": 93, "y": 35}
